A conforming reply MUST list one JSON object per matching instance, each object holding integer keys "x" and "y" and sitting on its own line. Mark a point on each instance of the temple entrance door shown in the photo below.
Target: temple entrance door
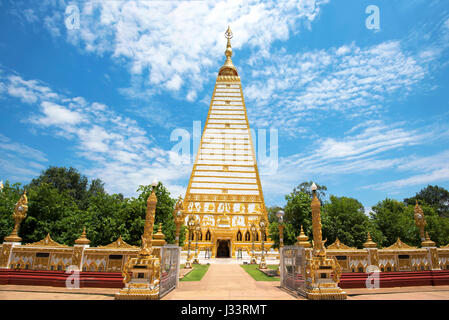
{"x": 223, "y": 250}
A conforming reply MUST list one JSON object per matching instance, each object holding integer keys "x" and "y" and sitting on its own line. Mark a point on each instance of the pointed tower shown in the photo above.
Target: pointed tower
{"x": 224, "y": 190}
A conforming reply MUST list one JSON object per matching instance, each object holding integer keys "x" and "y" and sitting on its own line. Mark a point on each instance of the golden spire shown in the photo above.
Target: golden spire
{"x": 369, "y": 242}
{"x": 159, "y": 237}
{"x": 147, "y": 236}
{"x": 228, "y": 68}
{"x": 427, "y": 242}
{"x": 318, "y": 243}
{"x": 82, "y": 239}
{"x": 303, "y": 240}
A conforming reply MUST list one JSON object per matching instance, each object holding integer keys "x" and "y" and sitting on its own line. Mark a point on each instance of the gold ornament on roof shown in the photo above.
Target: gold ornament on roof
{"x": 399, "y": 245}
{"x": 338, "y": 245}
{"x": 428, "y": 242}
{"x": 83, "y": 238}
{"x": 46, "y": 242}
{"x": 118, "y": 244}
{"x": 369, "y": 242}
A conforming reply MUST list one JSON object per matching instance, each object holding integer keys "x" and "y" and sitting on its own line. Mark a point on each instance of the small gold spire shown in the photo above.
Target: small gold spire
{"x": 159, "y": 237}
{"x": 369, "y": 242}
{"x": 428, "y": 242}
{"x": 82, "y": 239}
{"x": 303, "y": 240}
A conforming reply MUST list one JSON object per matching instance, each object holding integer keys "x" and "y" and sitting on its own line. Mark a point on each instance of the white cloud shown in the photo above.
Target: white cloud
{"x": 19, "y": 162}
{"x": 421, "y": 170}
{"x": 109, "y": 146}
{"x": 349, "y": 80}
{"x": 179, "y": 42}
{"x": 58, "y": 115}
{"x": 365, "y": 149}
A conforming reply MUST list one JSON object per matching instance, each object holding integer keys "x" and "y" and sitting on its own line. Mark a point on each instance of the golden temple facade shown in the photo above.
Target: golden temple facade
{"x": 224, "y": 191}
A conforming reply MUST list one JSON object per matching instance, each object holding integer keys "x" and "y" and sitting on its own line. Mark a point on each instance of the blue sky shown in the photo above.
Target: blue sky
{"x": 362, "y": 111}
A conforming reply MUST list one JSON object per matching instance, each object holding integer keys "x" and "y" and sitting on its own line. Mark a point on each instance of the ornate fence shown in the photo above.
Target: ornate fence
{"x": 292, "y": 262}
{"x": 170, "y": 260}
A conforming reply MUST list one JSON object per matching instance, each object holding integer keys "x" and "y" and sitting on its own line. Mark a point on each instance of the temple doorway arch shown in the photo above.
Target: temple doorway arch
{"x": 223, "y": 249}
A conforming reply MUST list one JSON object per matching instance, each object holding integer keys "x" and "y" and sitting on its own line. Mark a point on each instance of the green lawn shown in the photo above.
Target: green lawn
{"x": 257, "y": 274}
{"x": 199, "y": 270}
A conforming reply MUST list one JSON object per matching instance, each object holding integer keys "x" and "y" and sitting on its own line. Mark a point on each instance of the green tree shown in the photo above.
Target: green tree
{"x": 394, "y": 220}
{"x": 71, "y": 182}
{"x": 107, "y": 217}
{"x": 435, "y": 196}
{"x": 164, "y": 211}
{"x": 289, "y": 234}
{"x": 272, "y": 213}
{"x": 50, "y": 211}
{"x": 345, "y": 218}
{"x": 298, "y": 212}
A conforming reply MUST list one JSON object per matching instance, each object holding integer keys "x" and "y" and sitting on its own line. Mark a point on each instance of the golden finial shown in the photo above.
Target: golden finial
{"x": 428, "y": 242}
{"x": 303, "y": 240}
{"x": 369, "y": 242}
{"x": 228, "y": 68}
{"x": 83, "y": 238}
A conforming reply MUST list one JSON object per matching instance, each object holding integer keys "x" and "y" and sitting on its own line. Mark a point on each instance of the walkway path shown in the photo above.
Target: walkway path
{"x": 228, "y": 282}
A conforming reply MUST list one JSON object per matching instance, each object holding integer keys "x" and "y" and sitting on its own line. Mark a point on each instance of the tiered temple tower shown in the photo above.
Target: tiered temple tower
{"x": 224, "y": 191}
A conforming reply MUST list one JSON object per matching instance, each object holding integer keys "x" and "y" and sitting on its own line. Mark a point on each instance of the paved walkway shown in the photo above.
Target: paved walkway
{"x": 400, "y": 293}
{"x": 18, "y": 292}
{"x": 228, "y": 282}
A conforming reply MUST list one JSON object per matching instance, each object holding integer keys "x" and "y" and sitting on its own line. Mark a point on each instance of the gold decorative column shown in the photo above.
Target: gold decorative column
{"x": 318, "y": 243}
{"x": 20, "y": 213}
{"x": 263, "y": 228}
{"x": 178, "y": 215}
{"x": 142, "y": 274}
{"x": 280, "y": 215}
{"x": 322, "y": 274}
{"x": 253, "y": 238}
{"x": 190, "y": 225}
{"x": 197, "y": 235}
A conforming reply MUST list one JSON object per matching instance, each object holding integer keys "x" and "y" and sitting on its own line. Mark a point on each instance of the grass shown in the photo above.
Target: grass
{"x": 257, "y": 274}
{"x": 198, "y": 272}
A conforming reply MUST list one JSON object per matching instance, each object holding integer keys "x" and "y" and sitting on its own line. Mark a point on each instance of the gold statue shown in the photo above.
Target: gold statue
{"x": 20, "y": 213}
{"x": 420, "y": 220}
